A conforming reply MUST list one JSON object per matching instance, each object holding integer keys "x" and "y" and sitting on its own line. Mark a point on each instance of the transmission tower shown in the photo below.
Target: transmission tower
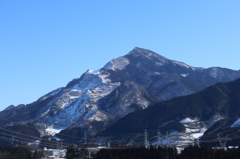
{"x": 159, "y": 139}
{"x": 13, "y": 139}
{"x": 223, "y": 141}
{"x": 89, "y": 155}
{"x": 85, "y": 138}
{"x": 197, "y": 142}
{"x": 146, "y": 139}
{"x": 167, "y": 137}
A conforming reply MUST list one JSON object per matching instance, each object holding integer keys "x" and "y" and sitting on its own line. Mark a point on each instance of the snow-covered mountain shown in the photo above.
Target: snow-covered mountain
{"x": 99, "y": 98}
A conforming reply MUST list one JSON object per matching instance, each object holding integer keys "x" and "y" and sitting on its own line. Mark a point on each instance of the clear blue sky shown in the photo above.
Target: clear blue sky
{"x": 46, "y": 43}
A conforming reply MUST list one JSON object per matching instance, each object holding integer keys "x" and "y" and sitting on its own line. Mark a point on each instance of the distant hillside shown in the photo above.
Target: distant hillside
{"x": 215, "y": 103}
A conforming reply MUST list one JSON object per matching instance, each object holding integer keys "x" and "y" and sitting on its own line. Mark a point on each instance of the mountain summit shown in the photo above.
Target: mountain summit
{"x": 99, "y": 98}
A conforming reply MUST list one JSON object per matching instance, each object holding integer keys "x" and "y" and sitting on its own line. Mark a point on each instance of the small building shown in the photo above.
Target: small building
{"x": 55, "y": 153}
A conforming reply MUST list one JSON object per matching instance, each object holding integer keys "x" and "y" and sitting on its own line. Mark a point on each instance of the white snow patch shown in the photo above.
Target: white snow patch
{"x": 194, "y": 130}
{"x": 156, "y": 73}
{"x": 56, "y": 138}
{"x": 182, "y": 64}
{"x": 109, "y": 66}
{"x": 120, "y": 63}
{"x": 194, "y": 127}
{"x": 52, "y": 131}
{"x": 215, "y": 72}
{"x": 117, "y": 64}
{"x": 187, "y": 120}
{"x": 185, "y": 74}
{"x": 53, "y": 93}
{"x": 92, "y": 79}
{"x": 236, "y": 123}
{"x": 84, "y": 108}
{"x": 198, "y": 135}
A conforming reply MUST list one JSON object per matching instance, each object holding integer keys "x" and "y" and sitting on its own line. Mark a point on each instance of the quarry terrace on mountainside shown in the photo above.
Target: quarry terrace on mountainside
{"x": 126, "y": 84}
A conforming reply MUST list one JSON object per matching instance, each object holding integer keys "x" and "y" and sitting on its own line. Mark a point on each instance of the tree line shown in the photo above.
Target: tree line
{"x": 190, "y": 152}
{"x": 20, "y": 152}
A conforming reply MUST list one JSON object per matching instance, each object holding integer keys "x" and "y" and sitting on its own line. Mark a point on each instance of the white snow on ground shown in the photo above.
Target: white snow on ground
{"x": 182, "y": 64}
{"x": 187, "y": 120}
{"x": 82, "y": 100}
{"x": 118, "y": 63}
{"x": 56, "y": 138}
{"x": 185, "y": 74}
{"x": 198, "y": 135}
{"x": 194, "y": 127}
{"x": 236, "y": 123}
{"x": 92, "y": 79}
{"x": 215, "y": 72}
{"x": 52, "y": 131}
{"x": 194, "y": 130}
{"x": 53, "y": 93}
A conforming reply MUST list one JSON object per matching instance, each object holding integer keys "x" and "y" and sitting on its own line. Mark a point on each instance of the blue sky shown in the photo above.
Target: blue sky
{"x": 46, "y": 43}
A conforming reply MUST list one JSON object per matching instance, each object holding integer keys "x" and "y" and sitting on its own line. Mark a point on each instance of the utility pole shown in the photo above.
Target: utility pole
{"x": 198, "y": 142}
{"x": 39, "y": 142}
{"x": 167, "y": 139}
{"x": 12, "y": 140}
{"x": 85, "y": 138}
{"x": 223, "y": 141}
{"x": 16, "y": 143}
{"x": 89, "y": 155}
{"x": 159, "y": 139}
{"x": 167, "y": 145}
{"x": 146, "y": 139}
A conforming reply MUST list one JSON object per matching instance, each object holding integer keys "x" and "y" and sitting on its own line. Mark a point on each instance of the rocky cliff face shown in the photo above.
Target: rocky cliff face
{"x": 126, "y": 84}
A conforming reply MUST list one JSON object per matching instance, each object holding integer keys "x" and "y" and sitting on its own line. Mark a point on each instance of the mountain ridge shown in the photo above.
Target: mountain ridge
{"x": 125, "y": 84}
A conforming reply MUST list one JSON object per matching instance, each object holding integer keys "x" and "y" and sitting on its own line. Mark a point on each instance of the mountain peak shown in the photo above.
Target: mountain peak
{"x": 137, "y": 51}
{"x": 139, "y": 55}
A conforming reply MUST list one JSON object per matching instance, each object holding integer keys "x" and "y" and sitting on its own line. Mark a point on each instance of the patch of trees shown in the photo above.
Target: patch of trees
{"x": 138, "y": 153}
{"x": 76, "y": 153}
{"x": 20, "y": 152}
{"x": 191, "y": 152}
{"x": 206, "y": 152}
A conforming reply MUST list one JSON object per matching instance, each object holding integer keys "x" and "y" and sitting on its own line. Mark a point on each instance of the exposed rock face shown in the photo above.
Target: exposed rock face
{"x": 126, "y": 84}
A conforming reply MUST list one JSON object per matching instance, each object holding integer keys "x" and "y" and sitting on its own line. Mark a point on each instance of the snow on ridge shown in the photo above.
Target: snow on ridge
{"x": 84, "y": 107}
{"x": 120, "y": 63}
{"x": 109, "y": 66}
{"x": 236, "y": 123}
{"x": 182, "y": 64}
{"x": 154, "y": 57}
{"x": 158, "y": 59}
{"x": 79, "y": 103}
{"x": 187, "y": 66}
{"x": 94, "y": 71}
{"x": 53, "y": 93}
{"x": 214, "y": 72}
{"x": 92, "y": 79}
